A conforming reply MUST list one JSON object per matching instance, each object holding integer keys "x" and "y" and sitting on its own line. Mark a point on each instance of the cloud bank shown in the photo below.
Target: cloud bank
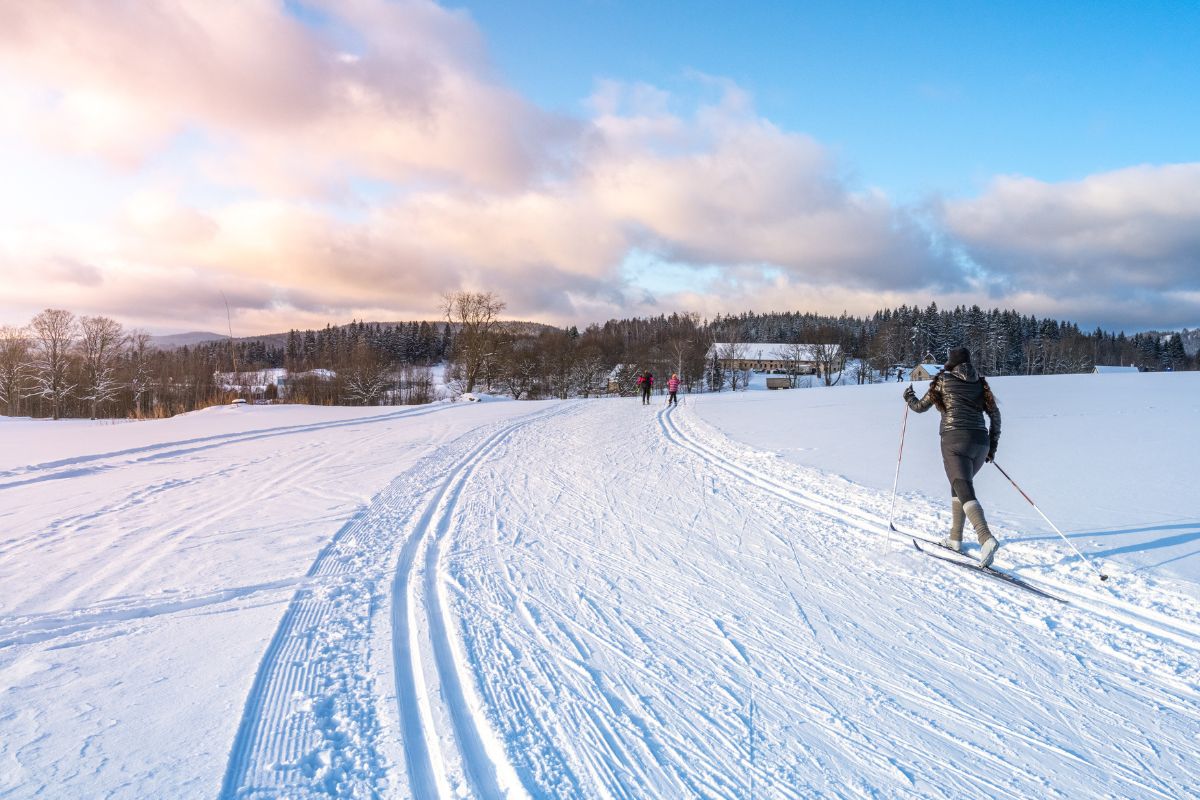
{"x": 326, "y": 161}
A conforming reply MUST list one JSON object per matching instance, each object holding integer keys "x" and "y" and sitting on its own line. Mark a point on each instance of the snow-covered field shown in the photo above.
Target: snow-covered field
{"x": 599, "y": 599}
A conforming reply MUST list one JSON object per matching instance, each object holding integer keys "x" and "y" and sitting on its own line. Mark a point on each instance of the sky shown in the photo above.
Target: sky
{"x": 318, "y": 162}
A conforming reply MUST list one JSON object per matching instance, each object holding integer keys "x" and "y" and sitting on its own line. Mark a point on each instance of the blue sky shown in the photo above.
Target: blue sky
{"x": 915, "y": 97}
{"x": 317, "y": 161}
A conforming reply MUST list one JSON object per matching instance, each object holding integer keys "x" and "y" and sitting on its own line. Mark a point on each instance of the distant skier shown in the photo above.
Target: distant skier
{"x": 963, "y": 397}
{"x": 673, "y": 390}
{"x": 646, "y": 382}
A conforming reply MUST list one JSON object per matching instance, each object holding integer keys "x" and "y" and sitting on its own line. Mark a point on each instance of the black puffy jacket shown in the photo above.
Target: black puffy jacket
{"x": 961, "y": 391}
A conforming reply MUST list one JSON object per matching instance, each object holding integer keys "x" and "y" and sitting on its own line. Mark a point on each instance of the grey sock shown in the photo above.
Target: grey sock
{"x": 956, "y": 519}
{"x": 974, "y": 513}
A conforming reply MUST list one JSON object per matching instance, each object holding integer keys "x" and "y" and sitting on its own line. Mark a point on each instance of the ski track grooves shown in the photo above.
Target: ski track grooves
{"x": 311, "y": 725}
{"x": 1100, "y": 603}
{"x": 481, "y": 760}
{"x": 74, "y": 467}
{"x": 1097, "y": 637}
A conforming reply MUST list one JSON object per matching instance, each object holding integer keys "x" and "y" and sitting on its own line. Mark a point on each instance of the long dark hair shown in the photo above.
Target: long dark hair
{"x": 989, "y": 400}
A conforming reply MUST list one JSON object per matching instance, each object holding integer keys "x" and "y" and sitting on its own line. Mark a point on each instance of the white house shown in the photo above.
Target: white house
{"x": 1107, "y": 370}
{"x": 622, "y": 377}
{"x": 926, "y": 372}
{"x": 774, "y": 356}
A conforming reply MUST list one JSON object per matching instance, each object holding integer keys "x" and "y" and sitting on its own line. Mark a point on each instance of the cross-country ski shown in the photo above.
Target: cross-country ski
{"x": 974, "y": 565}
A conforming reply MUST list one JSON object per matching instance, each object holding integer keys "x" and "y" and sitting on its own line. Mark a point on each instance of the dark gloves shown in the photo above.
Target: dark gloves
{"x": 909, "y": 395}
{"x": 991, "y": 456}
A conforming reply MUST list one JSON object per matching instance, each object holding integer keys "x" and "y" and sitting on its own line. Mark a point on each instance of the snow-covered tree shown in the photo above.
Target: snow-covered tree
{"x": 54, "y": 332}
{"x": 100, "y": 343}
{"x": 367, "y": 378}
{"x": 589, "y": 373}
{"x": 517, "y": 366}
{"x": 139, "y": 368}
{"x": 733, "y": 354}
{"x": 14, "y": 366}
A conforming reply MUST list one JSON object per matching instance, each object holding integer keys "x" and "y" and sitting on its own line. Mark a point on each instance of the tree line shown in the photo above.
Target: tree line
{"x": 1002, "y": 342}
{"x": 609, "y": 356}
{"x": 61, "y": 365}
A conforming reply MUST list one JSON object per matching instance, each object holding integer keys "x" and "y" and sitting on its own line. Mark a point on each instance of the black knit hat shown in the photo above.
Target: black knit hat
{"x": 959, "y": 355}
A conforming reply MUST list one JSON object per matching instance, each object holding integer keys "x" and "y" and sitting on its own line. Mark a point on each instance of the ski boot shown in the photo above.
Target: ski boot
{"x": 987, "y": 551}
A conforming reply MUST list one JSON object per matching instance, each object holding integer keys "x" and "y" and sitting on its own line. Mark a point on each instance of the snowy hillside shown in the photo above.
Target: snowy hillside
{"x": 599, "y": 599}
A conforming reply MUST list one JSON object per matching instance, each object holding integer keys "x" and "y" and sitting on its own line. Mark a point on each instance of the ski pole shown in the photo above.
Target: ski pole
{"x": 896, "y": 480}
{"x": 1103, "y": 577}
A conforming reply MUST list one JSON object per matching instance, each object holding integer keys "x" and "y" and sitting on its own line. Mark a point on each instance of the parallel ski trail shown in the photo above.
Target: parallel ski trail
{"x": 622, "y": 655}
{"x": 312, "y": 724}
{"x": 100, "y": 462}
{"x": 424, "y": 661}
{"x": 1184, "y": 632}
{"x": 599, "y": 600}
{"x": 1175, "y": 694}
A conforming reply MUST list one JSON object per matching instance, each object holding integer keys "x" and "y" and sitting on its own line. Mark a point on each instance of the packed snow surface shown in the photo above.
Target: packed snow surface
{"x": 600, "y": 599}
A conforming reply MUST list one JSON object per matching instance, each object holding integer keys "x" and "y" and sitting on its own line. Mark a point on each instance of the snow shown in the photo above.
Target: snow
{"x": 482, "y": 397}
{"x": 599, "y": 599}
{"x": 257, "y": 380}
{"x": 765, "y": 351}
{"x": 1109, "y": 459}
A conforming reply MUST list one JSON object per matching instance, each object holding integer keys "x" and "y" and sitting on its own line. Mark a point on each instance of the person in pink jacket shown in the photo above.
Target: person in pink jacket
{"x": 673, "y": 389}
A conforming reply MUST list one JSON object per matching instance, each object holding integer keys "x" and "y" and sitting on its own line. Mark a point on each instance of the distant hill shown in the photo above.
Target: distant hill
{"x": 171, "y": 341}
{"x": 1191, "y": 341}
{"x": 1190, "y": 338}
{"x": 280, "y": 339}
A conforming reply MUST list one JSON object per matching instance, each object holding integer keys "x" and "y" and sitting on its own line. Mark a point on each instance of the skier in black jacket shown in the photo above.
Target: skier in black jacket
{"x": 963, "y": 397}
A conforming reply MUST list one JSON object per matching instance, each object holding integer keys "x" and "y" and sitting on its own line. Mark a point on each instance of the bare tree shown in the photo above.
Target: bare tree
{"x": 367, "y": 377}
{"x": 590, "y": 374}
{"x": 14, "y": 366}
{"x": 829, "y": 358}
{"x": 54, "y": 332}
{"x": 99, "y": 347}
{"x": 797, "y": 359}
{"x": 558, "y": 357}
{"x": 415, "y": 385}
{"x": 139, "y": 368}
{"x": 518, "y": 368}
{"x": 625, "y": 376}
{"x": 477, "y": 316}
{"x": 734, "y": 353}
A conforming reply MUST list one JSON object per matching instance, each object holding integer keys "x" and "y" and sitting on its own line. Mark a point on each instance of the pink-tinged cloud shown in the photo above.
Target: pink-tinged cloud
{"x": 121, "y": 80}
{"x": 360, "y": 167}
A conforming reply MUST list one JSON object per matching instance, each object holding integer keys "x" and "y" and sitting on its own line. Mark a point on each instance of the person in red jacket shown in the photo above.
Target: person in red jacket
{"x": 673, "y": 390}
{"x": 646, "y": 381}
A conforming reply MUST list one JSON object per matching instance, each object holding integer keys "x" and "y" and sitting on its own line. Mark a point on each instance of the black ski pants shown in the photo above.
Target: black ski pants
{"x": 963, "y": 455}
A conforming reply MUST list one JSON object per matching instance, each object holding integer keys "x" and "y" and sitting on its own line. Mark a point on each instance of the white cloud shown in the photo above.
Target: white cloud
{"x": 359, "y": 167}
{"x": 1129, "y": 231}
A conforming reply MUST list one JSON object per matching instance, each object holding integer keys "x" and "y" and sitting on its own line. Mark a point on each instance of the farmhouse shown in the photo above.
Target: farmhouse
{"x": 622, "y": 378}
{"x": 773, "y": 356}
{"x": 925, "y": 372}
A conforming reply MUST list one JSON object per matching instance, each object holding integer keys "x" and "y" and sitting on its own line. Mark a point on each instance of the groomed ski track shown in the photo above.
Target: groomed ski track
{"x": 607, "y": 600}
